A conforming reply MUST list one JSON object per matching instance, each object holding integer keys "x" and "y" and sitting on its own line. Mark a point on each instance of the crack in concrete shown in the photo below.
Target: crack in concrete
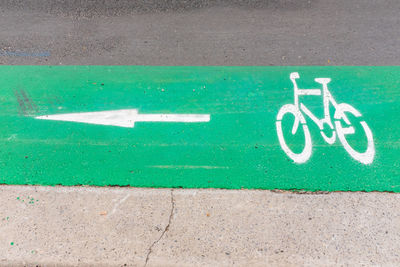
{"x": 150, "y": 250}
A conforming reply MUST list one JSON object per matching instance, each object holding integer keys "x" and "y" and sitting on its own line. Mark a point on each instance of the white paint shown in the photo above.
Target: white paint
{"x": 297, "y": 109}
{"x": 124, "y": 117}
{"x": 122, "y": 200}
{"x": 366, "y": 157}
{"x": 306, "y": 153}
{"x": 12, "y": 137}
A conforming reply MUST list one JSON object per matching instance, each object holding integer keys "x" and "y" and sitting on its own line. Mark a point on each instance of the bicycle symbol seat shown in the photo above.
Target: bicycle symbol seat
{"x": 298, "y": 110}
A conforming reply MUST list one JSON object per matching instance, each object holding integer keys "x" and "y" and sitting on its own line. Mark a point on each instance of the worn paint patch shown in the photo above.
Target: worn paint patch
{"x": 311, "y": 128}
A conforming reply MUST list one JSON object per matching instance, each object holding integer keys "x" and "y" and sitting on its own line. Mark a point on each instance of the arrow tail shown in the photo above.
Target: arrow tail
{"x": 173, "y": 117}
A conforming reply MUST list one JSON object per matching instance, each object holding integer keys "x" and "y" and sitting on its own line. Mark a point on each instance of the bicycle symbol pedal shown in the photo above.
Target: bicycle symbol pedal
{"x": 298, "y": 110}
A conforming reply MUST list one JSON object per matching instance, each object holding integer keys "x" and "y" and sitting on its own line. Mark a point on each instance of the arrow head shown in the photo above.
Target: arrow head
{"x": 121, "y": 118}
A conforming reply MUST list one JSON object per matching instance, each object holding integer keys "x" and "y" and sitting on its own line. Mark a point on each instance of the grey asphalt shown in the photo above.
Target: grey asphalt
{"x": 290, "y": 32}
{"x": 163, "y": 227}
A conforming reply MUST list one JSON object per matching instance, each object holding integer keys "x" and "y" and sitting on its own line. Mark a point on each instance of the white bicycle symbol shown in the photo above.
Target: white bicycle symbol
{"x": 297, "y": 109}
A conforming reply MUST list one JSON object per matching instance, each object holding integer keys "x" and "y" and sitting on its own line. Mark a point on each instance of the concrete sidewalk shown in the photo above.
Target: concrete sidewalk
{"x": 164, "y": 227}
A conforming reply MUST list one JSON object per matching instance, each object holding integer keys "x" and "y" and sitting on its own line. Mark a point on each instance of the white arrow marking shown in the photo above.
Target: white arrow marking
{"x": 124, "y": 117}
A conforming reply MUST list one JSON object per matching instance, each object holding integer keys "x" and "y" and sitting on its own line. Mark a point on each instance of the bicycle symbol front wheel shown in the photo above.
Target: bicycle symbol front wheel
{"x": 299, "y": 119}
{"x": 365, "y": 157}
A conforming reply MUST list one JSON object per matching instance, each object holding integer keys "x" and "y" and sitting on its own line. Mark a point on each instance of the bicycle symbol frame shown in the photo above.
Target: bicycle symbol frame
{"x": 298, "y": 109}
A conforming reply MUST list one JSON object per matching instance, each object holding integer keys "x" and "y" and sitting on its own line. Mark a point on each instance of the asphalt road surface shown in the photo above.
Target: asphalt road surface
{"x": 161, "y": 227}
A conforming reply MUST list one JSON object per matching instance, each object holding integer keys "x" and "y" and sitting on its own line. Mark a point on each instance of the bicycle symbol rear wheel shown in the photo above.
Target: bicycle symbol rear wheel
{"x": 299, "y": 119}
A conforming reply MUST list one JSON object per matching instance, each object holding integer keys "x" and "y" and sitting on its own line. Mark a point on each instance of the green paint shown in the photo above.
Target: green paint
{"x": 30, "y": 200}
{"x": 238, "y": 148}
{"x": 12, "y": 243}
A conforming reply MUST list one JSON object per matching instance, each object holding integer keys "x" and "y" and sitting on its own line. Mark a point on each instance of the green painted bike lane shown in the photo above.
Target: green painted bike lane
{"x": 201, "y": 127}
